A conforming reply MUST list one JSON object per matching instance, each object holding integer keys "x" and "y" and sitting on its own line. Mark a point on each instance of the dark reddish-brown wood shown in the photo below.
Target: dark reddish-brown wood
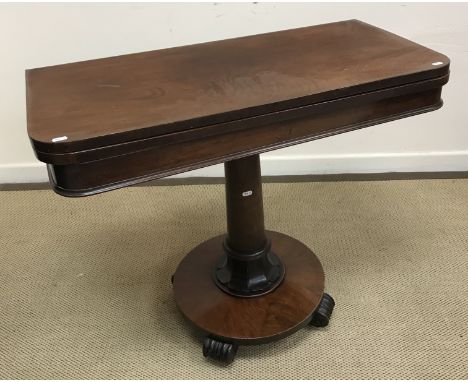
{"x": 244, "y": 204}
{"x": 135, "y": 96}
{"x": 247, "y": 266}
{"x": 87, "y": 178}
{"x": 250, "y": 320}
{"x": 126, "y": 119}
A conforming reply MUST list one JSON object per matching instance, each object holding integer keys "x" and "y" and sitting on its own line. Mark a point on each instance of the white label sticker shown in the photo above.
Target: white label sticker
{"x": 60, "y": 139}
{"x": 437, "y": 63}
{"x": 247, "y": 193}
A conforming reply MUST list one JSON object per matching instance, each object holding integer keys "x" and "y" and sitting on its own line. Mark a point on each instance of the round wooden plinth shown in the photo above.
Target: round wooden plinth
{"x": 250, "y": 320}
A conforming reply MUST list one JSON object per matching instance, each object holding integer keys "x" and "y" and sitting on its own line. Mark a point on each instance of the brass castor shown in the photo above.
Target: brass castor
{"x": 218, "y": 350}
{"x": 322, "y": 314}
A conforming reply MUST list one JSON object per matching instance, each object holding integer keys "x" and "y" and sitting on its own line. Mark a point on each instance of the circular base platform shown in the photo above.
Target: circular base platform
{"x": 250, "y": 320}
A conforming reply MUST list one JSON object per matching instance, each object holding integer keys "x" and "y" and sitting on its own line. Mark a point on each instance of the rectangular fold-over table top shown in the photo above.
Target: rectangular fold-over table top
{"x": 111, "y": 122}
{"x": 91, "y": 104}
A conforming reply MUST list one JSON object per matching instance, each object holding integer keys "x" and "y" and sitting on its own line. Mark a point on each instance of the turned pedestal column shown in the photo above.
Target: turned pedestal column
{"x": 250, "y": 285}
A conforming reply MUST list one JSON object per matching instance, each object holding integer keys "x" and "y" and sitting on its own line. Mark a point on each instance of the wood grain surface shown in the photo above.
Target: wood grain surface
{"x": 119, "y": 99}
{"x": 250, "y": 320}
{"x": 88, "y": 178}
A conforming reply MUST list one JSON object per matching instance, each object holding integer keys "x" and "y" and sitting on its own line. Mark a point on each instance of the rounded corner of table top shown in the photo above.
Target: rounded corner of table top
{"x": 41, "y": 145}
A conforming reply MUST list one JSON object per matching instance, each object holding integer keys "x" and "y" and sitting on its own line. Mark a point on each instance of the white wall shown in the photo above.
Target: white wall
{"x": 35, "y": 35}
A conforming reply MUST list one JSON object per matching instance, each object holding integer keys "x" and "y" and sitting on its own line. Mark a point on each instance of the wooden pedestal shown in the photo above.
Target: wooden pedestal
{"x": 250, "y": 286}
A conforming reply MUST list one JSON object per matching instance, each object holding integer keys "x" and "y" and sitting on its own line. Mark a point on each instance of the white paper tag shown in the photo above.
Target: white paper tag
{"x": 247, "y": 193}
{"x": 60, "y": 139}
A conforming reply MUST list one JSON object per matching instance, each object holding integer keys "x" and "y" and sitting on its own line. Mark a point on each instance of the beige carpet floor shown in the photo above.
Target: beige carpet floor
{"x": 85, "y": 286}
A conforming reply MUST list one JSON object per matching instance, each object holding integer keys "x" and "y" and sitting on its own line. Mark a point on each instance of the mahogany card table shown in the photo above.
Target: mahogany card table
{"x": 113, "y": 122}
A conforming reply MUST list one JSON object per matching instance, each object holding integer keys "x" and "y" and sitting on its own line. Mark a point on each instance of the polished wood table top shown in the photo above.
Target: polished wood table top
{"x": 123, "y": 106}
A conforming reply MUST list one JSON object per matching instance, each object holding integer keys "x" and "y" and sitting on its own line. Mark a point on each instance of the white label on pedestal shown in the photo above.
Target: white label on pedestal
{"x": 247, "y": 193}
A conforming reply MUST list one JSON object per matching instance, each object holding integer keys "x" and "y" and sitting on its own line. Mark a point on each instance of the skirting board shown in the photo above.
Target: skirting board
{"x": 275, "y": 165}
